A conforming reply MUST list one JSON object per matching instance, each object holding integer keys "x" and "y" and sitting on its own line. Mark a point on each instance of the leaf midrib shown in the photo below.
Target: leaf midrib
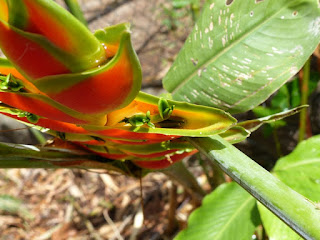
{"x": 224, "y": 50}
{"x": 236, "y": 213}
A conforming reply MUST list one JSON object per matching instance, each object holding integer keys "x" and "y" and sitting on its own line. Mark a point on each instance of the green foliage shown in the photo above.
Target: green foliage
{"x": 288, "y": 96}
{"x": 294, "y": 209}
{"x": 239, "y": 54}
{"x": 10, "y": 83}
{"x": 229, "y": 212}
{"x": 179, "y": 9}
{"x": 275, "y": 228}
{"x": 300, "y": 170}
{"x": 14, "y": 206}
{"x": 139, "y": 120}
{"x": 165, "y": 110}
{"x": 183, "y": 3}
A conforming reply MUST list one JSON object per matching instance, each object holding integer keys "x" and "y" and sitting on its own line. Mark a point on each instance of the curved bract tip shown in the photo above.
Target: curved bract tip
{"x": 32, "y": 32}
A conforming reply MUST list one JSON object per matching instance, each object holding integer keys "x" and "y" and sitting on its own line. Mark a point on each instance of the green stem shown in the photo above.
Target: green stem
{"x": 264, "y": 234}
{"x": 218, "y": 175}
{"x": 277, "y": 142}
{"x": 304, "y": 99}
{"x": 292, "y": 208}
{"x": 173, "y": 204}
{"x": 179, "y": 173}
{"x": 76, "y": 11}
{"x": 195, "y": 10}
{"x": 206, "y": 172}
{"x": 28, "y": 156}
{"x": 39, "y": 136}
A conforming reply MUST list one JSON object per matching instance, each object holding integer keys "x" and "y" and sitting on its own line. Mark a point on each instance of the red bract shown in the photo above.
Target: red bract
{"x": 84, "y": 88}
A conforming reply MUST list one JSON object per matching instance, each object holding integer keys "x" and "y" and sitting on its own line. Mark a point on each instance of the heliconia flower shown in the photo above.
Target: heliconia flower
{"x": 84, "y": 88}
{"x": 63, "y": 61}
{"x": 45, "y": 45}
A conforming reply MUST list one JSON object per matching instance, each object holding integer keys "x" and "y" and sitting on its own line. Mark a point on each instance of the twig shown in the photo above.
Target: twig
{"x": 111, "y": 7}
{"x": 179, "y": 173}
{"x": 149, "y": 39}
{"x": 113, "y": 226}
{"x": 87, "y": 222}
{"x": 218, "y": 175}
{"x": 15, "y": 129}
{"x": 137, "y": 224}
{"x": 203, "y": 164}
{"x": 141, "y": 193}
{"x": 49, "y": 233}
{"x": 172, "y": 221}
{"x": 123, "y": 225}
{"x": 92, "y": 231}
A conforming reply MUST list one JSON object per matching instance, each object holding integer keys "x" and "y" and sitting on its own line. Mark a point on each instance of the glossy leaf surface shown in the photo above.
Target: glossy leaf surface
{"x": 294, "y": 209}
{"x": 229, "y": 212}
{"x": 301, "y": 171}
{"x": 240, "y": 52}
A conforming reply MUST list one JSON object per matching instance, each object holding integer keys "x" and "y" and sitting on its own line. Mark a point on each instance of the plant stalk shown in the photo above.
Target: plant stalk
{"x": 304, "y": 99}
{"x": 277, "y": 142}
{"x": 295, "y": 210}
{"x": 173, "y": 203}
{"x": 28, "y": 156}
{"x": 76, "y": 11}
{"x": 179, "y": 173}
{"x": 195, "y": 10}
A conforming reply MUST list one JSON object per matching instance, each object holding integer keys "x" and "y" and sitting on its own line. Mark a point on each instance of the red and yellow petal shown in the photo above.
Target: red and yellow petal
{"x": 103, "y": 93}
{"x": 165, "y": 162}
{"x": 69, "y": 40}
{"x": 124, "y": 134}
{"x": 28, "y": 56}
{"x": 101, "y": 90}
{"x": 7, "y": 68}
{"x": 45, "y": 107}
{"x": 4, "y": 13}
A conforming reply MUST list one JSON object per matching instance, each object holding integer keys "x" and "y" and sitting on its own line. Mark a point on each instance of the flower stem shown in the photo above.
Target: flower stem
{"x": 28, "y": 156}
{"x": 304, "y": 99}
{"x": 76, "y": 11}
{"x": 179, "y": 173}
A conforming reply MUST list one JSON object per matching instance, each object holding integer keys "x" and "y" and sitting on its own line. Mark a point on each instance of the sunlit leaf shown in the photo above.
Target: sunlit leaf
{"x": 227, "y": 213}
{"x": 275, "y": 228}
{"x": 300, "y": 170}
{"x": 240, "y": 52}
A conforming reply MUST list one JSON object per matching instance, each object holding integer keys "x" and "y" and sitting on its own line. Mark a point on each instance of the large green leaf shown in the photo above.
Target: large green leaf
{"x": 275, "y": 228}
{"x": 227, "y": 213}
{"x": 242, "y": 51}
{"x": 301, "y": 171}
{"x": 295, "y": 210}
